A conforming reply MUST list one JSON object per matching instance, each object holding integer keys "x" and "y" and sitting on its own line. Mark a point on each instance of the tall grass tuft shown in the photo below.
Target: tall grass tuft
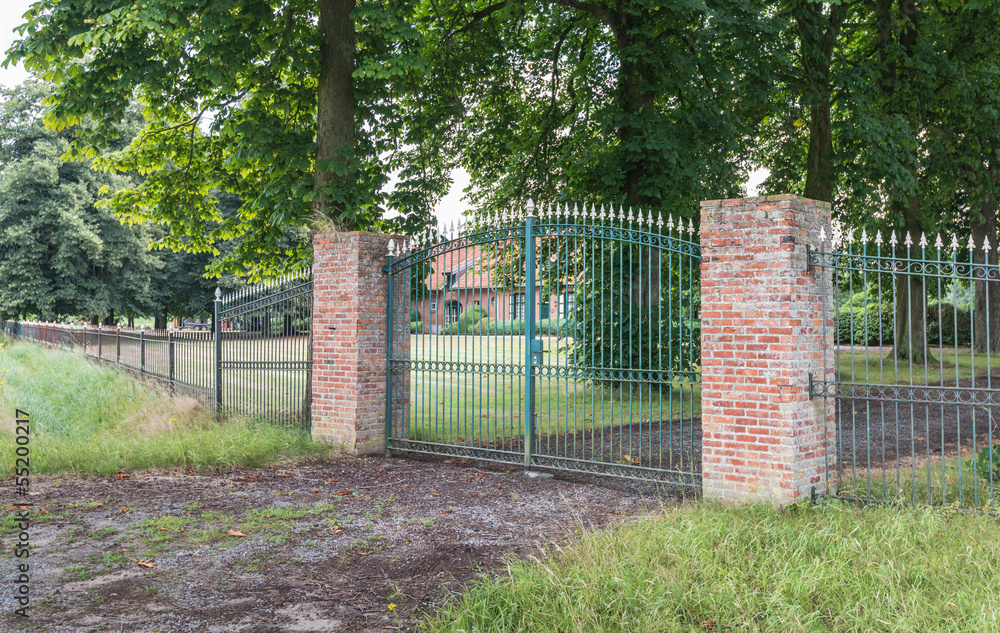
{"x": 753, "y": 569}
{"x": 88, "y": 419}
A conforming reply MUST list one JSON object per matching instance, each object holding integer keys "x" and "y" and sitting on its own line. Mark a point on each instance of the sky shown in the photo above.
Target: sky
{"x": 448, "y": 210}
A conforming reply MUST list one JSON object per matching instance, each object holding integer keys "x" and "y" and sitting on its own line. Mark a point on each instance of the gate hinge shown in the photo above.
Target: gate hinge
{"x": 810, "y": 385}
{"x": 809, "y": 258}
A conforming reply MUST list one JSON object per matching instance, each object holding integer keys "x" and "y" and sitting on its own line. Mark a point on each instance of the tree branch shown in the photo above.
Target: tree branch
{"x": 601, "y": 12}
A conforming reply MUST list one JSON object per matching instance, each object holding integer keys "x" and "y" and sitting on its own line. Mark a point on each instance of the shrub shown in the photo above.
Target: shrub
{"x": 466, "y": 321}
{"x": 414, "y": 315}
{"x": 858, "y": 317}
{"x": 555, "y": 327}
{"x": 942, "y": 319}
{"x": 416, "y": 327}
{"x": 504, "y": 327}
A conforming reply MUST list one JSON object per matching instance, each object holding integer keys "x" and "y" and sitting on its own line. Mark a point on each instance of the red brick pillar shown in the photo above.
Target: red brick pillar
{"x": 762, "y": 317}
{"x": 349, "y": 340}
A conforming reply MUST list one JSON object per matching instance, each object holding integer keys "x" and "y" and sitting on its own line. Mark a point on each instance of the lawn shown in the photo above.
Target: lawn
{"x": 825, "y": 568}
{"x": 92, "y": 419}
{"x": 945, "y": 366}
{"x": 486, "y": 401}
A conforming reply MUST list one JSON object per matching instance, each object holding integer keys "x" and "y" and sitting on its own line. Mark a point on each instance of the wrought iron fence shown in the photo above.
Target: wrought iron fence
{"x": 265, "y": 350}
{"x": 576, "y": 345}
{"x": 916, "y": 333}
{"x": 256, "y": 364}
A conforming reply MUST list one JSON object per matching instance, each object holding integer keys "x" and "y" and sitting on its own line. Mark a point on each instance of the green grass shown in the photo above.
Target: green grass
{"x": 275, "y": 524}
{"x": 945, "y": 365}
{"x": 951, "y": 481}
{"x": 458, "y": 406}
{"x": 89, "y": 419}
{"x": 753, "y": 569}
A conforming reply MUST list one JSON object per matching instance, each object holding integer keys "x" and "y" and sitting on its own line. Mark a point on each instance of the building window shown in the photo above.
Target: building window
{"x": 567, "y": 304}
{"x": 517, "y": 306}
{"x": 434, "y": 306}
{"x": 452, "y": 310}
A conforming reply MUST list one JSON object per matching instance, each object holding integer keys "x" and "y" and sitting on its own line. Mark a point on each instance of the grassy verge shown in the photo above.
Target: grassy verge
{"x": 710, "y": 568}
{"x": 90, "y": 419}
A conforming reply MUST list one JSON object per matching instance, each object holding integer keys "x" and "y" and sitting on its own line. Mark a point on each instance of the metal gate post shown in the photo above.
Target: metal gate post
{"x": 217, "y": 326}
{"x": 99, "y": 355}
{"x": 170, "y": 360}
{"x": 142, "y": 350}
{"x": 529, "y": 339}
{"x": 388, "y": 352}
{"x": 118, "y": 343}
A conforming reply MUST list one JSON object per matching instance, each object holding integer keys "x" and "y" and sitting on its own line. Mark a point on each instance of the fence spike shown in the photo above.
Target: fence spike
{"x": 670, "y": 224}
{"x": 690, "y": 228}
{"x": 878, "y": 238}
{"x": 603, "y": 216}
{"x": 659, "y": 220}
{"x": 908, "y": 242}
{"x": 892, "y": 239}
{"x": 986, "y": 244}
{"x": 971, "y": 245}
{"x": 923, "y": 240}
{"x": 938, "y": 243}
{"x": 864, "y": 236}
{"x": 850, "y": 236}
{"x": 631, "y": 218}
{"x": 954, "y": 242}
{"x": 822, "y": 235}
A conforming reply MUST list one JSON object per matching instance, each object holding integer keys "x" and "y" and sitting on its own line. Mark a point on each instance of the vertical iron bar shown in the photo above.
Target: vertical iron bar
{"x": 388, "y": 354}
{"x": 217, "y": 330}
{"x": 529, "y": 337}
{"x": 170, "y": 360}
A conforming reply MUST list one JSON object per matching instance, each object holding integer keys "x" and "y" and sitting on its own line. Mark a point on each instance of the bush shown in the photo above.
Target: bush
{"x": 416, "y": 327}
{"x": 555, "y": 327}
{"x": 466, "y": 321}
{"x": 855, "y": 317}
{"x": 414, "y": 315}
{"x": 942, "y": 319}
{"x": 504, "y": 327}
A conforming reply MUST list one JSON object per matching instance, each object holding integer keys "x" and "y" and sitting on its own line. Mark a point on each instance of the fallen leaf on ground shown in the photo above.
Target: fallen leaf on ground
{"x": 336, "y": 529}
{"x": 148, "y": 563}
{"x": 97, "y": 505}
{"x": 123, "y": 511}
{"x": 122, "y": 475}
{"x": 315, "y": 490}
{"x": 163, "y": 529}
{"x": 341, "y": 493}
{"x": 237, "y": 533}
{"x": 449, "y": 461}
{"x": 331, "y": 480}
{"x": 362, "y": 553}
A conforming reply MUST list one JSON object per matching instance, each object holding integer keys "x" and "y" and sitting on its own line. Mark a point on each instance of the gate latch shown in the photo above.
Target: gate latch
{"x": 537, "y": 349}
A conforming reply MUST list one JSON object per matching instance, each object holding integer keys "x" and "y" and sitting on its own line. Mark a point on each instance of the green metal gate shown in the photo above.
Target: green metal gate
{"x": 609, "y": 383}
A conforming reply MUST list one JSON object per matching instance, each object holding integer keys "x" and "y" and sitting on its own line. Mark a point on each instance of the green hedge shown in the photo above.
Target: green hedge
{"x": 467, "y": 321}
{"x": 501, "y": 327}
{"x": 942, "y": 319}
{"x": 857, "y": 316}
{"x": 416, "y": 327}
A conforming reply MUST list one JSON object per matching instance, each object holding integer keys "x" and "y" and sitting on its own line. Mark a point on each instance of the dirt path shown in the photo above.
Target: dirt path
{"x": 349, "y": 545}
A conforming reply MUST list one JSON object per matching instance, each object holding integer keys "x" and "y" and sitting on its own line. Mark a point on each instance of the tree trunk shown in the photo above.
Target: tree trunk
{"x": 109, "y": 319}
{"x": 986, "y": 309}
{"x": 819, "y": 33}
{"x": 911, "y": 318}
{"x": 335, "y": 104}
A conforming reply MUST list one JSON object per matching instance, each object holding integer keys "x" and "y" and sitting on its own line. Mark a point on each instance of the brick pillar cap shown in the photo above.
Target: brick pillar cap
{"x": 783, "y": 197}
